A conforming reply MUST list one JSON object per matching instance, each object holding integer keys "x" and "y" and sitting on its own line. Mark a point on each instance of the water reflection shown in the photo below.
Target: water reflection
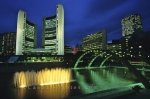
{"x": 47, "y": 83}
{"x": 98, "y": 80}
{"x": 57, "y": 91}
{"x": 56, "y": 83}
{"x": 20, "y": 93}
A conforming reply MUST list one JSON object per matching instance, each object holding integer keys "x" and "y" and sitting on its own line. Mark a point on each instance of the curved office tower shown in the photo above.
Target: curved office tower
{"x": 49, "y": 35}
{"x": 30, "y": 36}
{"x": 21, "y": 22}
{"x": 60, "y": 29}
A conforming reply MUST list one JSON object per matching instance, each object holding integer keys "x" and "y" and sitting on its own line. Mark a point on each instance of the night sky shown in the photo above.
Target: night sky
{"x": 82, "y": 17}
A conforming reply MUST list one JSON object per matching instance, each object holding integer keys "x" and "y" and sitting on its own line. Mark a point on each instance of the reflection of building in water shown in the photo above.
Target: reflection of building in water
{"x": 57, "y": 91}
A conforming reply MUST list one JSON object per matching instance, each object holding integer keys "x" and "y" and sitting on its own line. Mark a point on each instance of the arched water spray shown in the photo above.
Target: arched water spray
{"x": 101, "y": 65}
{"x": 85, "y": 87}
{"x": 79, "y": 59}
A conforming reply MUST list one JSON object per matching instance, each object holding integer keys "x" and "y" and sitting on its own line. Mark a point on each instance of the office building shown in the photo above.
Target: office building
{"x": 49, "y": 35}
{"x": 96, "y": 41}
{"x": 115, "y": 47}
{"x": 68, "y": 49}
{"x": 53, "y": 33}
{"x": 131, "y": 25}
{"x": 7, "y": 44}
{"x": 26, "y": 34}
{"x": 30, "y": 36}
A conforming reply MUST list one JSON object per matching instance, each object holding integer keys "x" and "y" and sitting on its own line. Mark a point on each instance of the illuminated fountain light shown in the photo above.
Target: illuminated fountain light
{"x": 20, "y": 79}
{"x": 41, "y": 78}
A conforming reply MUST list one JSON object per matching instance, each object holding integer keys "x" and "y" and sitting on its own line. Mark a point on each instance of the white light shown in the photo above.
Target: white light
{"x": 140, "y": 46}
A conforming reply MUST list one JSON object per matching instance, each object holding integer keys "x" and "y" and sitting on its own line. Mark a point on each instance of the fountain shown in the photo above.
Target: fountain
{"x": 41, "y": 78}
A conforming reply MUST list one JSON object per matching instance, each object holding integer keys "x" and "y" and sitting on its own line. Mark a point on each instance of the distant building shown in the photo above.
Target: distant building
{"x": 68, "y": 49}
{"x": 96, "y": 41}
{"x": 26, "y": 34}
{"x": 115, "y": 47}
{"x": 130, "y": 25}
{"x": 53, "y": 33}
{"x": 8, "y": 44}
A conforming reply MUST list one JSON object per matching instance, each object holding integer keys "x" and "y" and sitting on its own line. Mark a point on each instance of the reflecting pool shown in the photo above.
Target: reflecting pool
{"x": 60, "y": 83}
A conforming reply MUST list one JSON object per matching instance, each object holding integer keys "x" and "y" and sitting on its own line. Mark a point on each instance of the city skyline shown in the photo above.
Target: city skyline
{"x": 83, "y": 18}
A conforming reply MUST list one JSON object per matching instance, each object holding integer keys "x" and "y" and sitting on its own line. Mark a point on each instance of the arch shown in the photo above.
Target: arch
{"x": 79, "y": 59}
{"x": 105, "y": 60}
{"x": 91, "y": 62}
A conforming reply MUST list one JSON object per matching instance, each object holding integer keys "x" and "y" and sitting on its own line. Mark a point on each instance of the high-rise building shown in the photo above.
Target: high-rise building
{"x": 20, "y": 32}
{"x": 30, "y": 36}
{"x": 131, "y": 24}
{"x": 8, "y": 44}
{"x": 49, "y": 35}
{"x": 96, "y": 41}
{"x": 53, "y": 33}
{"x": 26, "y": 34}
{"x": 60, "y": 29}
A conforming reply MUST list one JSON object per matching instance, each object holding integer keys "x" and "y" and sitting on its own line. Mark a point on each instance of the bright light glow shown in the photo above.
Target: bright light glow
{"x": 41, "y": 78}
{"x": 140, "y": 46}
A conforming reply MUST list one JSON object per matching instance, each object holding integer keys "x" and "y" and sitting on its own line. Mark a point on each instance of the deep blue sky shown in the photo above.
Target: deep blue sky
{"x": 82, "y": 17}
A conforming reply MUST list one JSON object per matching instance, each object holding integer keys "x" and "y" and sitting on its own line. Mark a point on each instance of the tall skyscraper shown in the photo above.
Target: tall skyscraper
{"x": 131, "y": 24}
{"x": 25, "y": 37}
{"x": 53, "y": 33}
{"x": 20, "y": 32}
{"x": 60, "y": 29}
